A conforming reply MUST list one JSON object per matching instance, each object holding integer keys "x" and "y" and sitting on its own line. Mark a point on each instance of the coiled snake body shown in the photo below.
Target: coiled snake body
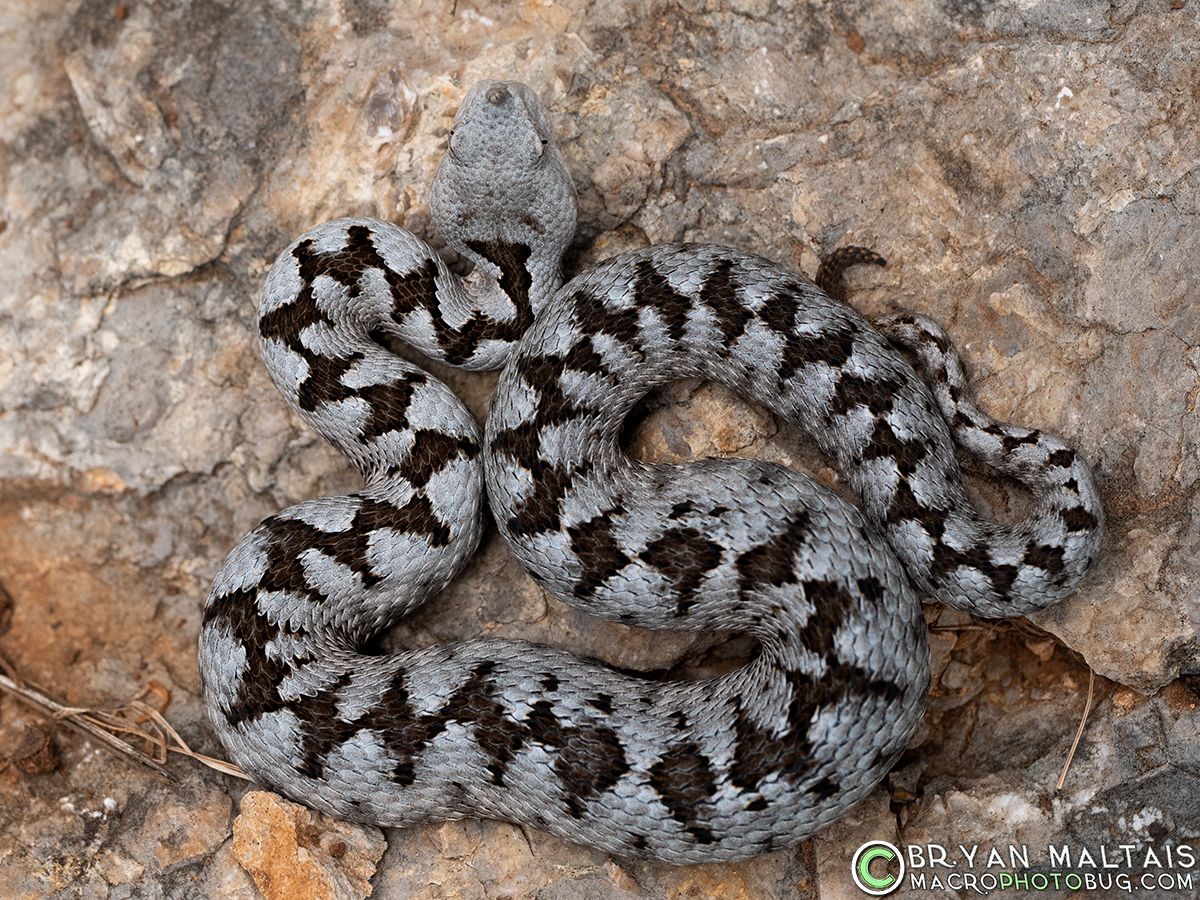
{"x": 683, "y": 772}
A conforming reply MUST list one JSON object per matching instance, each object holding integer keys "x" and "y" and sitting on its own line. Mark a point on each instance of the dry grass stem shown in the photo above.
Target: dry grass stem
{"x": 135, "y": 718}
{"x": 1087, "y": 708}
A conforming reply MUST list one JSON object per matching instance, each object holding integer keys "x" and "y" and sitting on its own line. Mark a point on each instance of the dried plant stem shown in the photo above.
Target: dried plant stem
{"x": 105, "y": 726}
{"x": 77, "y": 720}
{"x": 1087, "y": 708}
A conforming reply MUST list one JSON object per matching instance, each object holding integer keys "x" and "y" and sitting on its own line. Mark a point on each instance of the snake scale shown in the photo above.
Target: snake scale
{"x": 682, "y": 772}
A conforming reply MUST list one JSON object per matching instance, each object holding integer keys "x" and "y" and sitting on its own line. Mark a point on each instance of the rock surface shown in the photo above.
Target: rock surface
{"x": 1029, "y": 169}
{"x": 293, "y": 853}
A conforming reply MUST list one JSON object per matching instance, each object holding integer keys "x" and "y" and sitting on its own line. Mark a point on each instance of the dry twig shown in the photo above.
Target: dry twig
{"x": 1087, "y": 707}
{"x": 135, "y": 718}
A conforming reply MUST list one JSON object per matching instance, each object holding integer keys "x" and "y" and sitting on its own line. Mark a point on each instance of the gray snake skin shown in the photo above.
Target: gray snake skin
{"x": 683, "y": 772}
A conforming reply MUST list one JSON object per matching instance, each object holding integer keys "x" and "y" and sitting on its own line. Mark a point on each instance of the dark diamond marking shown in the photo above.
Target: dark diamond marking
{"x": 722, "y": 294}
{"x": 884, "y": 444}
{"x": 824, "y": 788}
{"x": 584, "y": 358}
{"x": 832, "y": 347}
{"x": 539, "y": 512}
{"x": 418, "y": 289}
{"x": 684, "y": 556}
{"x": 1047, "y": 558}
{"x": 652, "y": 289}
{"x": 681, "y": 509}
{"x": 779, "y": 311}
{"x": 772, "y": 563}
{"x": 1076, "y": 518}
{"x": 388, "y": 404}
{"x": 906, "y": 507}
{"x": 685, "y": 781}
{"x": 1063, "y": 459}
{"x": 323, "y": 384}
{"x": 321, "y": 730}
{"x": 759, "y": 753}
{"x": 1012, "y": 442}
{"x": 258, "y": 689}
{"x": 596, "y": 546}
{"x": 413, "y": 290}
{"x": 515, "y": 278}
{"x": 290, "y": 538}
{"x": 591, "y": 762}
{"x": 430, "y": 453}
{"x": 877, "y": 395}
{"x": 591, "y": 316}
{"x": 601, "y": 702}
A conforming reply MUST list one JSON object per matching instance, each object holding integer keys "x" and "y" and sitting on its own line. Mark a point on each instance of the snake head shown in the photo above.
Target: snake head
{"x": 503, "y": 182}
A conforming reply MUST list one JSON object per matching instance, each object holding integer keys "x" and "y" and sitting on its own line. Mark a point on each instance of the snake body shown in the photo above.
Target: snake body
{"x": 683, "y": 772}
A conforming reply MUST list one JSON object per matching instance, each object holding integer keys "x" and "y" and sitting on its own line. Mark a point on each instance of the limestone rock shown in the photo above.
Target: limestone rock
{"x": 1029, "y": 170}
{"x": 470, "y": 859}
{"x": 293, "y": 853}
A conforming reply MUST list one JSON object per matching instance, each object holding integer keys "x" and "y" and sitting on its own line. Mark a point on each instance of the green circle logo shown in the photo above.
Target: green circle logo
{"x": 882, "y": 880}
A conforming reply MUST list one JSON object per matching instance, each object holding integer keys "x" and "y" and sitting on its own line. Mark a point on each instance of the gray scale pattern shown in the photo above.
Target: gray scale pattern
{"x": 690, "y": 772}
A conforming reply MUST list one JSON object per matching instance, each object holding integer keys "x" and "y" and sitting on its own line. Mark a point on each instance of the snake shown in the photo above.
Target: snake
{"x": 678, "y": 771}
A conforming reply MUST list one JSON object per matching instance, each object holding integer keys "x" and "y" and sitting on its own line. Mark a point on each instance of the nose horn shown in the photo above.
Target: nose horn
{"x": 498, "y": 94}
